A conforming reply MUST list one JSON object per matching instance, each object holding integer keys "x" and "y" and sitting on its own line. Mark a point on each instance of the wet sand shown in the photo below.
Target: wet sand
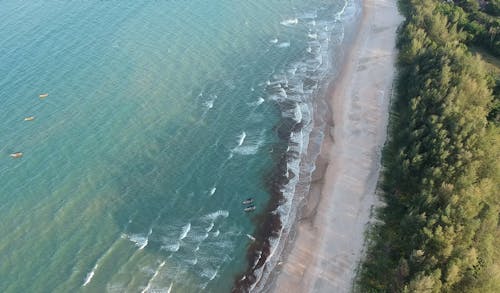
{"x": 328, "y": 240}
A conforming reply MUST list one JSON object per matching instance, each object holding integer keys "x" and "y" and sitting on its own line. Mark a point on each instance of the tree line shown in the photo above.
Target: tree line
{"x": 439, "y": 227}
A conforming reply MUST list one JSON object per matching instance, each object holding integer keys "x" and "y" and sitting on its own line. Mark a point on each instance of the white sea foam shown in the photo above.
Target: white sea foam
{"x": 297, "y": 115}
{"x": 290, "y": 22}
{"x": 90, "y": 275}
{"x": 249, "y": 149}
{"x": 274, "y": 41}
{"x": 144, "y": 244}
{"x": 172, "y": 248}
{"x": 201, "y": 237}
{"x": 139, "y": 240}
{"x": 210, "y": 227}
{"x": 313, "y": 36}
{"x": 257, "y": 258}
{"x": 147, "y": 238}
{"x": 259, "y": 101}
{"x": 148, "y": 286}
{"x": 185, "y": 231}
{"x": 213, "y": 216}
{"x": 209, "y": 274}
{"x": 209, "y": 104}
{"x": 284, "y": 45}
{"x": 241, "y": 138}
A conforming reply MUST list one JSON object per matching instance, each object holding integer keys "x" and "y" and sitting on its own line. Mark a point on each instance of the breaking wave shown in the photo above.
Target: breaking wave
{"x": 185, "y": 231}
{"x": 215, "y": 215}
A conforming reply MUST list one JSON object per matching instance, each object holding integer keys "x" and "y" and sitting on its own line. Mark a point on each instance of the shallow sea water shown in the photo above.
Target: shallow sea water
{"x": 160, "y": 121}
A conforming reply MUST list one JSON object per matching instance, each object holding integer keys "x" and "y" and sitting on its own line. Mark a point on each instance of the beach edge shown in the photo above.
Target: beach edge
{"x": 331, "y": 214}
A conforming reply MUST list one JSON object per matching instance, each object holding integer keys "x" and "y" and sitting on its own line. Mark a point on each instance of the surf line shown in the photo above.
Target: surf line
{"x": 91, "y": 274}
{"x": 148, "y": 286}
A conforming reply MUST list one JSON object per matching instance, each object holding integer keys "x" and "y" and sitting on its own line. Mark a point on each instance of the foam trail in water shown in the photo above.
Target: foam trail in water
{"x": 284, "y": 45}
{"x": 290, "y": 22}
{"x": 256, "y": 103}
{"x": 139, "y": 240}
{"x": 147, "y": 239}
{"x": 90, "y": 275}
{"x": 210, "y": 227}
{"x": 172, "y": 248}
{"x": 185, "y": 231}
{"x": 213, "y": 216}
{"x": 313, "y": 36}
{"x": 241, "y": 138}
{"x": 209, "y": 274}
{"x": 152, "y": 278}
{"x": 200, "y": 238}
{"x": 248, "y": 150}
{"x": 250, "y": 147}
{"x": 210, "y": 102}
{"x": 260, "y": 101}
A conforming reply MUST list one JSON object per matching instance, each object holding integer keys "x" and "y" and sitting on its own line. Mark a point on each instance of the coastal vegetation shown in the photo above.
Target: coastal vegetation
{"x": 438, "y": 230}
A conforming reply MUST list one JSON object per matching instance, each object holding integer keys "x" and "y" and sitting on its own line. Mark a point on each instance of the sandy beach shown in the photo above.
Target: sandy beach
{"x": 328, "y": 242}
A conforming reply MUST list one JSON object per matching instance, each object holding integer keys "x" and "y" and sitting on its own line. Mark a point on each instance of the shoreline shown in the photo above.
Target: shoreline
{"x": 299, "y": 144}
{"x": 326, "y": 241}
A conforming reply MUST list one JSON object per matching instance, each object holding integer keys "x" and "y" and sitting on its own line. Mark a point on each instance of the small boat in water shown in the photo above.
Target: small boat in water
{"x": 248, "y": 201}
{"x": 250, "y": 208}
{"x": 42, "y": 96}
{"x": 30, "y": 118}
{"x": 16, "y": 155}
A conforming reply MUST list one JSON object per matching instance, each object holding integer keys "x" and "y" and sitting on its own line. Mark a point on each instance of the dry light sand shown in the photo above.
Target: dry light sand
{"x": 324, "y": 254}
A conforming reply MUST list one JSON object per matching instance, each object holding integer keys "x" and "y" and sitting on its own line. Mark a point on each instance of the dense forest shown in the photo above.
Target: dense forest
{"x": 438, "y": 230}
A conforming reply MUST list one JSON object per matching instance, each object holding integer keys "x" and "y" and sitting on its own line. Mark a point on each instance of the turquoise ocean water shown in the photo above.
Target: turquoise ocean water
{"x": 160, "y": 121}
